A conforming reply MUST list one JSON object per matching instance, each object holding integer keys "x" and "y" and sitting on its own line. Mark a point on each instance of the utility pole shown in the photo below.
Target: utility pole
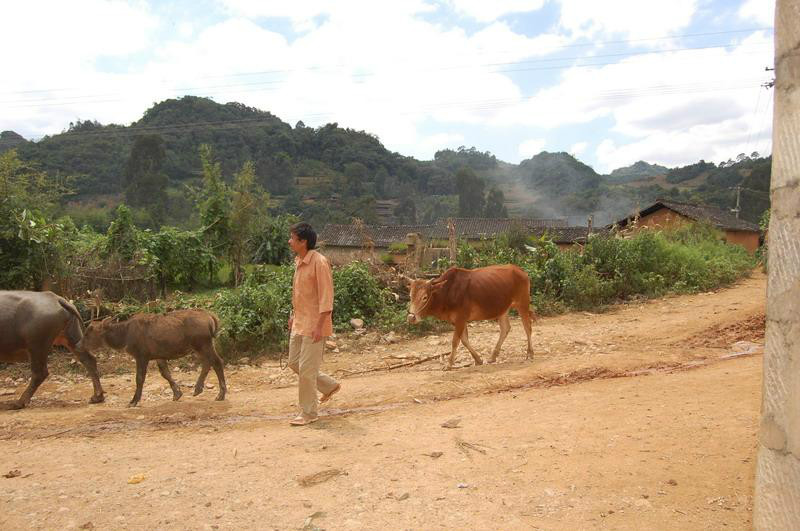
{"x": 738, "y": 195}
{"x": 776, "y": 504}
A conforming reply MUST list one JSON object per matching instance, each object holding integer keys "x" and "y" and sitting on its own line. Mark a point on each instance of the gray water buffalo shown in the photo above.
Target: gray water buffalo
{"x": 147, "y": 336}
{"x": 30, "y": 324}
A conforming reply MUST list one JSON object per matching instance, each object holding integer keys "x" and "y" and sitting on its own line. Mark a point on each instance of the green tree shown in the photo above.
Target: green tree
{"x": 145, "y": 180}
{"x": 361, "y": 207}
{"x": 355, "y": 177}
{"x": 270, "y": 240}
{"x": 31, "y": 246}
{"x": 122, "y": 235}
{"x": 494, "y": 204}
{"x": 470, "y": 193}
{"x": 214, "y": 208}
{"x": 248, "y": 207}
{"x": 406, "y": 211}
{"x": 282, "y": 174}
{"x": 381, "y": 176}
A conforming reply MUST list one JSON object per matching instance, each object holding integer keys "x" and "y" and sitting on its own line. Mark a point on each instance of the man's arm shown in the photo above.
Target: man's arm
{"x": 324, "y": 279}
{"x": 317, "y": 335}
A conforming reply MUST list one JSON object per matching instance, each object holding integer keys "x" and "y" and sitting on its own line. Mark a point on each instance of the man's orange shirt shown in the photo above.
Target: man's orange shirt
{"x": 312, "y": 294}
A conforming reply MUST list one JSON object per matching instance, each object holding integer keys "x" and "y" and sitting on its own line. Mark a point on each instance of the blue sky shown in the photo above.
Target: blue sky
{"x": 612, "y": 82}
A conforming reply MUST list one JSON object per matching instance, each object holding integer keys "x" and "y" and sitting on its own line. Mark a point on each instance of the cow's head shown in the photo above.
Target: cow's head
{"x": 93, "y": 337}
{"x": 422, "y": 294}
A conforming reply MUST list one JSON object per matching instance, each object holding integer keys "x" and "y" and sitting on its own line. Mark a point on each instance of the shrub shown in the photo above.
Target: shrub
{"x": 255, "y": 315}
{"x": 270, "y": 243}
{"x": 398, "y": 247}
{"x": 179, "y": 258}
{"x": 650, "y": 263}
{"x": 357, "y": 294}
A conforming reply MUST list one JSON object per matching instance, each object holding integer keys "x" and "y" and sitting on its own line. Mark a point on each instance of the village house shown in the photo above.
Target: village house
{"x": 665, "y": 214}
{"x": 345, "y": 243}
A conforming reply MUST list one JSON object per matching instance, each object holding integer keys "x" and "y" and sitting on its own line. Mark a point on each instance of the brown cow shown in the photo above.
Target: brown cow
{"x": 148, "y": 336}
{"x": 463, "y": 295}
{"x": 31, "y": 323}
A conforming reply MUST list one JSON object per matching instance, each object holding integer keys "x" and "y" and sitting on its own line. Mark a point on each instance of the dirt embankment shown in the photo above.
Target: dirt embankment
{"x": 641, "y": 417}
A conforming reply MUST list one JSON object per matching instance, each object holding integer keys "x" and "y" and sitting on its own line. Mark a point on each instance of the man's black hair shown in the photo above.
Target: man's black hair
{"x": 303, "y": 231}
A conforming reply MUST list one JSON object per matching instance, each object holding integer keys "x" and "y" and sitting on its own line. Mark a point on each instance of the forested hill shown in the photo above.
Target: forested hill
{"x": 636, "y": 172}
{"x": 331, "y": 173}
{"x": 237, "y": 134}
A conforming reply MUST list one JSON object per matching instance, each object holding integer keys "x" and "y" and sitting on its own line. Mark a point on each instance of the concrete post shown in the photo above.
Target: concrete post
{"x": 777, "y": 493}
{"x": 451, "y": 241}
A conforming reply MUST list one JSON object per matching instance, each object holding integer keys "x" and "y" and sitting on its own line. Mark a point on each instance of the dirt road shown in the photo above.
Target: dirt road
{"x": 641, "y": 417}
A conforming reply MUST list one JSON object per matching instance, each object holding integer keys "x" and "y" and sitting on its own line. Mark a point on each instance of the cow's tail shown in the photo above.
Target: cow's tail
{"x": 74, "y": 329}
{"x": 214, "y": 324}
{"x": 528, "y": 302}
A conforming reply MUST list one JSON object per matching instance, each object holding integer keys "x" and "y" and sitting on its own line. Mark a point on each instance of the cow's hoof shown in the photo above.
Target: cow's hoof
{"x": 220, "y": 397}
{"x": 97, "y": 399}
{"x": 447, "y": 368}
{"x": 12, "y": 405}
{"x": 197, "y": 391}
{"x": 176, "y": 395}
{"x": 133, "y": 404}
{"x": 493, "y": 360}
{"x": 478, "y": 362}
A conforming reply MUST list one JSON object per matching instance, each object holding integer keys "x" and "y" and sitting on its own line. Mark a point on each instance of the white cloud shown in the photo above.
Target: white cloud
{"x": 51, "y": 74}
{"x": 484, "y": 11}
{"x": 635, "y": 19}
{"x": 578, "y": 148}
{"x": 185, "y": 30}
{"x": 366, "y": 12}
{"x": 531, "y": 147}
{"x": 685, "y": 103}
{"x": 713, "y": 142}
{"x": 64, "y": 35}
{"x": 277, "y": 8}
{"x": 388, "y": 87}
{"x": 435, "y": 142}
{"x": 758, "y": 11}
{"x": 379, "y": 67}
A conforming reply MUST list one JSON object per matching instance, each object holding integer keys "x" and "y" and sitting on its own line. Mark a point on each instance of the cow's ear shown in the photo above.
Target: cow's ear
{"x": 436, "y": 286}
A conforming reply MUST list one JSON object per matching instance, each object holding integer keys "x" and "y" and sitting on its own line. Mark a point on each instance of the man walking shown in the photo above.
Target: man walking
{"x": 310, "y": 322}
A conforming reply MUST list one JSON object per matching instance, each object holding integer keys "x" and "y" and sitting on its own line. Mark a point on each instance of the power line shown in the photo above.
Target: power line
{"x": 756, "y": 116}
{"x": 474, "y": 105}
{"x": 767, "y": 114}
{"x": 431, "y": 68}
{"x": 341, "y": 65}
{"x": 56, "y": 103}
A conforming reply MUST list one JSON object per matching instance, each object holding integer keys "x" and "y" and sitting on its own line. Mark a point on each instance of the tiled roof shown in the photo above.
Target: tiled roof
{"x": 567, "y": 234}
{"x": 475, "y": 228}
{"x": 385, "y": 235}
{"x": 381, "y": 235}
{"x": 717, "y": 217}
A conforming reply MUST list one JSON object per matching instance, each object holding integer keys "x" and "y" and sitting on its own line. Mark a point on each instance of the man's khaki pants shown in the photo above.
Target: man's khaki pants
{"x": 305, "y": 358}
